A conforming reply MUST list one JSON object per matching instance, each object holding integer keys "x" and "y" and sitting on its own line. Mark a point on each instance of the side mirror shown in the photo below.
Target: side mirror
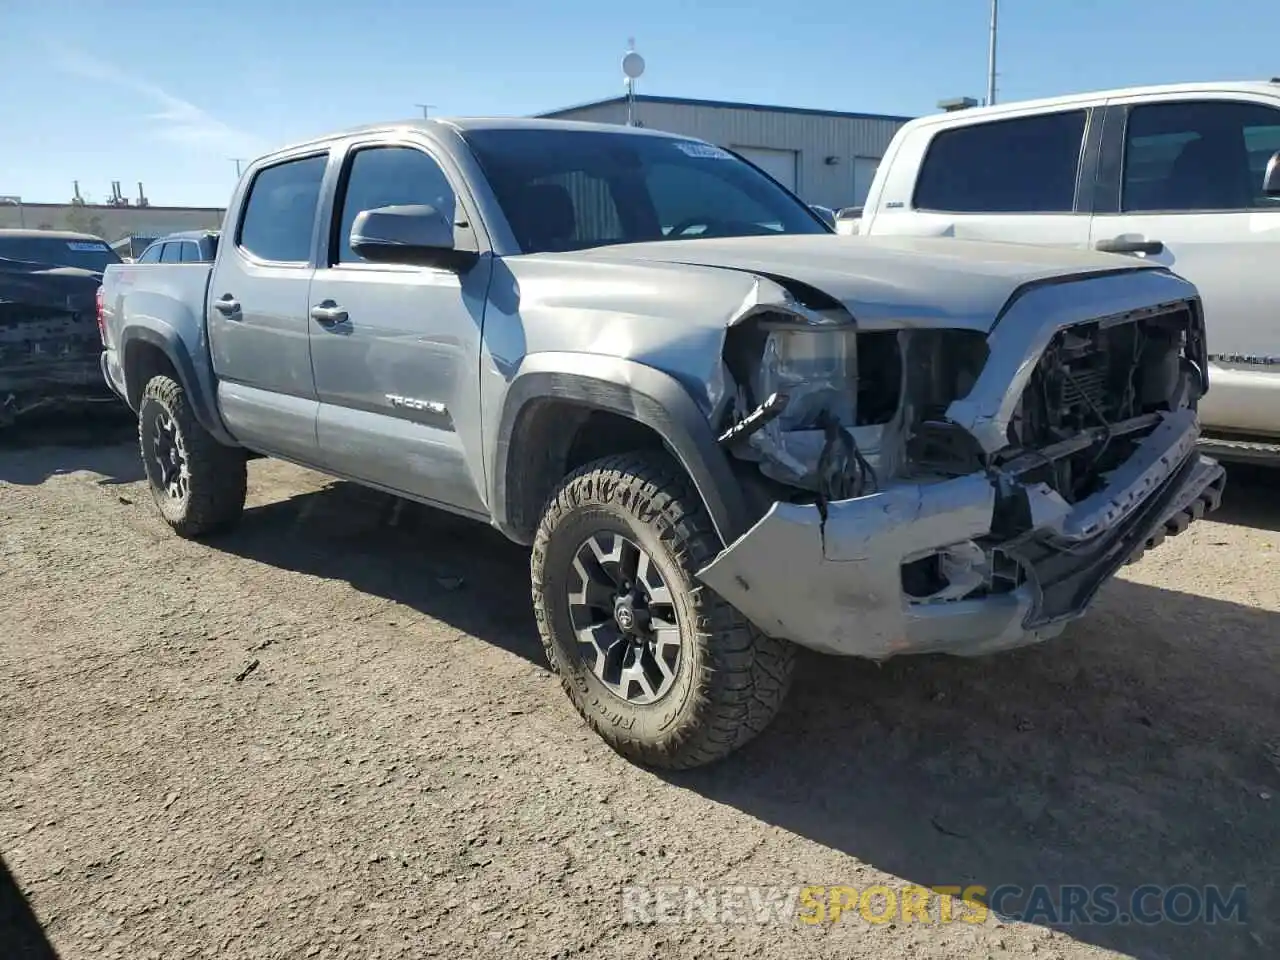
{"x": 825, "y": 214}
{"x": 415, "y": 234}
{"x": 1271, "y": 179}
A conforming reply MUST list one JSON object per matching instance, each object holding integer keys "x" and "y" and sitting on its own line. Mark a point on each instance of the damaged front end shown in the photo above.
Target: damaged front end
{"x": 49, "y": 339}
{"x": 949, "y": 490}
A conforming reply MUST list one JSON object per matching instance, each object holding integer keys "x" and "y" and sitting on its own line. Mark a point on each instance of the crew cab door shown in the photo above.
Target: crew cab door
{"x": 396, "y": 348}
{"x": 1180, "y": 182}
{"x": 1014, "y": 179}
{"x": 257, "y": 310}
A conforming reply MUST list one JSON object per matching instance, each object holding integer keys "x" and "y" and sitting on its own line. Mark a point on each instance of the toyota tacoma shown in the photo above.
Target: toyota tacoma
{"x": 723, "y": 430}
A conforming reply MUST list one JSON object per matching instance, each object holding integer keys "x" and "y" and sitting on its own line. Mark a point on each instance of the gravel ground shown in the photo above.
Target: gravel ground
{"x": 331, "y": 734}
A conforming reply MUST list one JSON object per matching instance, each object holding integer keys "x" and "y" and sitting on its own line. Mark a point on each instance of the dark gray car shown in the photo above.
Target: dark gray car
{"x": 722, "y": 428}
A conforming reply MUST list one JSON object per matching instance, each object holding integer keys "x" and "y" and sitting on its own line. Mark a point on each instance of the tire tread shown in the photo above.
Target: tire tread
{"x": 748, "y": 674}
{"x": 218, "y": 473}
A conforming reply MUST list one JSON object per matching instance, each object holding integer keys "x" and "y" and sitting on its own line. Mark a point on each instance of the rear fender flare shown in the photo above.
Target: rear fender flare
{"x": 200, "y": 393}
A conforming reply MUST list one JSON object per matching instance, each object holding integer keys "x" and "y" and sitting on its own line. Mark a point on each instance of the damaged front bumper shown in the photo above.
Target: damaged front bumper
{"x": 836, "y": 586}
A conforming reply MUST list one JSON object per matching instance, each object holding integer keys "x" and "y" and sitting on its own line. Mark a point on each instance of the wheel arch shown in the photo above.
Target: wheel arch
{"x": 147, "y": 351}
{"x": 555, "y": 396}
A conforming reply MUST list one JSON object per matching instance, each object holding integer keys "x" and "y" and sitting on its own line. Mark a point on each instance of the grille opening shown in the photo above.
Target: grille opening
{"x": 1094, "y": 377}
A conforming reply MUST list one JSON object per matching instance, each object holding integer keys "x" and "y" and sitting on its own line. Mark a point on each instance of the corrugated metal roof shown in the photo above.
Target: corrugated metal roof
{"x": 724, "y": 104}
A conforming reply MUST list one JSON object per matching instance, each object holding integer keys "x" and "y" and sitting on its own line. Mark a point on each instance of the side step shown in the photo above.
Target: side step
{"x": 1209, "y": 500}
{"x": 1240, "y": 451}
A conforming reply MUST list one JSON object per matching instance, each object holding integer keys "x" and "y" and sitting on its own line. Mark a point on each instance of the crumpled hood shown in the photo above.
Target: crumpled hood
{"x": 900, "y": 281}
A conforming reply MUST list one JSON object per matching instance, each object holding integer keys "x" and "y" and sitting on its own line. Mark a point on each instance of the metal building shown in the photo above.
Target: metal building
{"x": 111, "y": 223}
{"x": 825, "y": 156}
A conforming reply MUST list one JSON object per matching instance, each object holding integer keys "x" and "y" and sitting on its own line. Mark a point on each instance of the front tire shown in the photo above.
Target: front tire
{"x": 198, "y": 483}
{"x": 677, "y": 678}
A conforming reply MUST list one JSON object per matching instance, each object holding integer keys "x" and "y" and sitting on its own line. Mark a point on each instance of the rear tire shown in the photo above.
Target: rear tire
{"x": 729, "y": 679}
{"x": 198, "y": 483}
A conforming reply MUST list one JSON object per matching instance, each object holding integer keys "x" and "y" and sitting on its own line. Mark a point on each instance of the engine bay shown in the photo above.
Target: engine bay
{"x": 835, "y": 412}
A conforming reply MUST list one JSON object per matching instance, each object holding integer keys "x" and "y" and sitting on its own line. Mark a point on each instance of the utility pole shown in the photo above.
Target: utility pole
{"x": 237, "y": 161}
{"x": 424, "y": 107}
{"x": 991, "y": 54}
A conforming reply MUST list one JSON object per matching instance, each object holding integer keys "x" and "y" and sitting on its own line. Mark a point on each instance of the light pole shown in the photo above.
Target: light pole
{"x": 991, "y": 54}
{"x": 15, "y": 201}
{"x": 424, "y": 107}
{"x": 237, "y": 161}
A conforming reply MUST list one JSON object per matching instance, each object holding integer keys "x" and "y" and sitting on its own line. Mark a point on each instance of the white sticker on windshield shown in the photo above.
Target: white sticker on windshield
{"x": 703, "y": 151}
{"x": 84, "y": 246}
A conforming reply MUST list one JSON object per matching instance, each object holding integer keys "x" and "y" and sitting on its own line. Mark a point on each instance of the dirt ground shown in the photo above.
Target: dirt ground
{"x": 332, "y": 734}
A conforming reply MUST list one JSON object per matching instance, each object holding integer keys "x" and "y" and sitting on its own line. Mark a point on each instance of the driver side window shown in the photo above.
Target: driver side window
{"x": 683, "y": 195}
{"x": 390, "y": 176}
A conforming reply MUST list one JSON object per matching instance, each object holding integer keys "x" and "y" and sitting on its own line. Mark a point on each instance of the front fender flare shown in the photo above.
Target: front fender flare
{"x": 634, "y": 390}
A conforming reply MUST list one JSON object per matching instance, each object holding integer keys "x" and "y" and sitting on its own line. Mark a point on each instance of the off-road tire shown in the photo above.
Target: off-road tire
{"x": 217, "y": 476}
{"x": 731, "y": 680}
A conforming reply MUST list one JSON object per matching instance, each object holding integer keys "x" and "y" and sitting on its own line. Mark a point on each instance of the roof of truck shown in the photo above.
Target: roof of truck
{"x": 1270, "y": 88}
{"x": 187, "y": 235}
{"x": 463, "y": 124}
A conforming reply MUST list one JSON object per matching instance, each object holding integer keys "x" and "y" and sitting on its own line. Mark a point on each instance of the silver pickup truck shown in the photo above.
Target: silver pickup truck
{"x": 722, "y": 429}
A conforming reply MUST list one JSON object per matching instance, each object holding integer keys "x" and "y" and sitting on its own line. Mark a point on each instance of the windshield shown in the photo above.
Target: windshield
{"x": 59, "y": 251}
{"x": 572, "y": 189}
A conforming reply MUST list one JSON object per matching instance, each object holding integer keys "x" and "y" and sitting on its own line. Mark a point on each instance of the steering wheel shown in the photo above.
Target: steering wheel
{"x": 680, "y": 228}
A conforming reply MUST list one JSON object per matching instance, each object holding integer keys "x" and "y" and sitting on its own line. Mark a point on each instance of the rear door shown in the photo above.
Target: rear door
{"x": 1015, "y": 179}
{"x": 1181, "y": 184}
{"x": 258, "y": 324}
{"x": 396, "y": 348}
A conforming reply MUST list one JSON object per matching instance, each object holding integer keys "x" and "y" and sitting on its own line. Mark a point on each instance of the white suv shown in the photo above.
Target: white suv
{"x": 1178, "y": 174}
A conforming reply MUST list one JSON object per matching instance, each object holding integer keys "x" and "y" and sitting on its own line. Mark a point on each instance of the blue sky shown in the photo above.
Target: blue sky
{"x": 166, "y": 91}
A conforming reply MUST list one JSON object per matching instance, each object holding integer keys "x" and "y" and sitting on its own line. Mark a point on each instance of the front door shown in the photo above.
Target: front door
{"x": 258, "y": 327}
{"x": 396, "y": 348}
{"x": 1185, "y": 190}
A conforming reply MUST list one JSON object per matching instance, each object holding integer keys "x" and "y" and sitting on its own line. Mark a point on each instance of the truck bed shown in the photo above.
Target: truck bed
{"x": 177, "y": 291}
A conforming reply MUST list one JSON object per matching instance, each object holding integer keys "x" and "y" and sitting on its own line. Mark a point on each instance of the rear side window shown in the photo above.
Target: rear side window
{"x": 1025, "y": 165}
{"x": 280, "y": 213}
{"x": 190, "y": 252}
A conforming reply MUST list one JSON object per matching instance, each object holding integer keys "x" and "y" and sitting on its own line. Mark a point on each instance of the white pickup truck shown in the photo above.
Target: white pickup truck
{"x": 1184, "y": 175}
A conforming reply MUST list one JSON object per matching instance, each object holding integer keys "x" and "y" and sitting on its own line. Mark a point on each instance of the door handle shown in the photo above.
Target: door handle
{"x": 227, "y": 305}
{"x": 328, "y": 314}
{"x": 1121, "y": 245}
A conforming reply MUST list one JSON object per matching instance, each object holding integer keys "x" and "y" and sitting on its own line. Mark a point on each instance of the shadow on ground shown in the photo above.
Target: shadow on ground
{"x": 1251, "y": 498}
{"x": 1141, "y": 748}
{"x": 1138, "y": 749}
{"x": 21, "y": 937}
{"x": 457, "y": 571}
{"x": 101, "y": 439}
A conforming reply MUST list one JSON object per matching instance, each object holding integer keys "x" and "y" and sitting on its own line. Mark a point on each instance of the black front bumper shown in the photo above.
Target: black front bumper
{"x": 1066, "y": 575}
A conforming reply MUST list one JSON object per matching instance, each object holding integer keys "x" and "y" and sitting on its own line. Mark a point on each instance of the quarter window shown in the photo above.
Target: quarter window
{"x": 391, "y": 176}
{"x": 172, "y": 253}
{"x": 1024, "y": 165}
{"x": 281, "y": 211}
{"x": 1198, "y": 155}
